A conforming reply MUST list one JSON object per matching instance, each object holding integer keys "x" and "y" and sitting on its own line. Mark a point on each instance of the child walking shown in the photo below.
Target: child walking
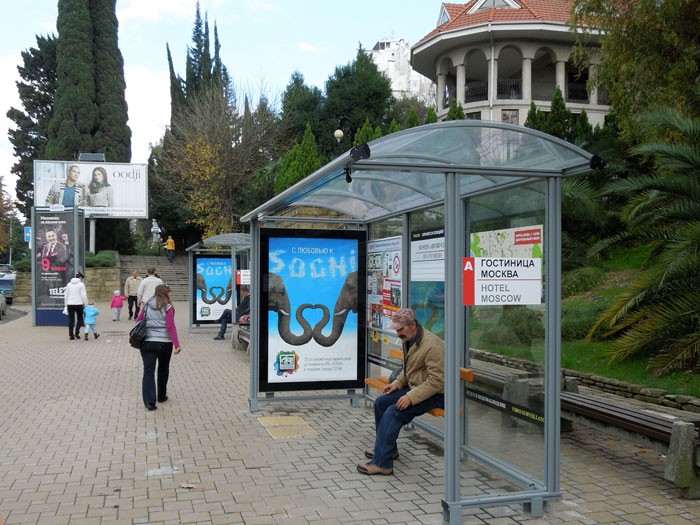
{"x": 91, "y": 312}
{"x": 117, "y": 304}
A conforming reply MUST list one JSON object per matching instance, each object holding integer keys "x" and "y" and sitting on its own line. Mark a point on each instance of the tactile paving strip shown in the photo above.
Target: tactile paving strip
{"x": 287, "y": 427}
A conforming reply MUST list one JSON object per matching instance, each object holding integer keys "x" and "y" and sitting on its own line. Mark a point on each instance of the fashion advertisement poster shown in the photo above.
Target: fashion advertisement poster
{"x": 100, "y": 189}
{"x": 213, "y": 290}
{"x": 384, "y": 267}
{"x": 314, "y": 292}
{"x": 54, "y": 252}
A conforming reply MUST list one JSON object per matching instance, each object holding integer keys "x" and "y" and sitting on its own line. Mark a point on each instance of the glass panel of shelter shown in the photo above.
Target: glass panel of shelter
{"x": 506, "y": 349}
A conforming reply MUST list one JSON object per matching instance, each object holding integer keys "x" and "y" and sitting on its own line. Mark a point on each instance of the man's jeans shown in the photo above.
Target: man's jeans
{"x": 389, "y": 421}
{"x": 225, "y": 319}
{"x": 152, "y": 353}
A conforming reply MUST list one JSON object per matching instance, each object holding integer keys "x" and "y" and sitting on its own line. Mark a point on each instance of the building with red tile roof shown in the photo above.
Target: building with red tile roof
{"x": 495, "y": 57}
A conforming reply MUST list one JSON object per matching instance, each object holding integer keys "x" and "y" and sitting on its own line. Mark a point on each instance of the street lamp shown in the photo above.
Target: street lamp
{"x": 338, "y": 134}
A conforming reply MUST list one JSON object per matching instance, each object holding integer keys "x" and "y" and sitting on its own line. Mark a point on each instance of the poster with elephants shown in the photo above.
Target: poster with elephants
{"x": 213, "y": 287}
{"x": 312, "y": 309}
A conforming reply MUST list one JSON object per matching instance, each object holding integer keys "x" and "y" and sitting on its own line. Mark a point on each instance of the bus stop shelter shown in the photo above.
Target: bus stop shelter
{"x": 459, "y": 220}
{"x": 215, "y": 268}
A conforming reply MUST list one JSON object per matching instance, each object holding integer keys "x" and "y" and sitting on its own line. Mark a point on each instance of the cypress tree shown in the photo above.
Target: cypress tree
{"x": 431, "y": 115}
{"x": 75, "y": 115}
{"x": 412, "y": 121}
{"x": 113, "y": 135}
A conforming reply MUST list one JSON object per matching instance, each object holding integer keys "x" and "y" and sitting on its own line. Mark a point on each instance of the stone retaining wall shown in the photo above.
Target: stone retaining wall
{"x": 621, "y": 388}
{"x": 100, "y": 284}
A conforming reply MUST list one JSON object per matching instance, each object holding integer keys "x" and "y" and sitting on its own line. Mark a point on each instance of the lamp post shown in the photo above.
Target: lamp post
{"x": 338, "y": 134}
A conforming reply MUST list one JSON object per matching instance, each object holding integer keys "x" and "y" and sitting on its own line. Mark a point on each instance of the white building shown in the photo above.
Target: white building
{"x": 495, "y": 57}
{"x": 392, "y": 58}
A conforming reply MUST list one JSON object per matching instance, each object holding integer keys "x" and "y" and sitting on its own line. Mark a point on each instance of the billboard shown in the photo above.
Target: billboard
{"x": 312, "y": 309}
{"x": 101, "y": 189}
{"x": 213, "y": 287}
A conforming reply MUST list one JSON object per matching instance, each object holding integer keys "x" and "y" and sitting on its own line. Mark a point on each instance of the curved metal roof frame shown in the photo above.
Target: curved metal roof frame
{"x": 226, "y": 240}
{"x": 405, "y": 170}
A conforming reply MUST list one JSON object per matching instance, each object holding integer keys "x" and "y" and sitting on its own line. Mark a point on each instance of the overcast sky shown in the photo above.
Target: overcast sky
{"x": 263, "y": 43}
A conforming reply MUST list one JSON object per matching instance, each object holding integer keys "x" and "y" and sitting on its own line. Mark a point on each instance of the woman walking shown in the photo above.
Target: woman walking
{"x": 75, "y": 299}
{"x": 161, "y": 341}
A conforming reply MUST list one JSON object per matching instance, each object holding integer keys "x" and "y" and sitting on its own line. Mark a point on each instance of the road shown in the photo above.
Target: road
{"x": 14, "y": 313}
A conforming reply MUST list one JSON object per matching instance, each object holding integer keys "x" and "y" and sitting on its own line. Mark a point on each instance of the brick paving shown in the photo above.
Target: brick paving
{"x": 78, "y": 447}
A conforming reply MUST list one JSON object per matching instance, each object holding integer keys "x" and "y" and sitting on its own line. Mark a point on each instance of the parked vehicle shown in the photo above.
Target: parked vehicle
{"x": 7, "y": 286}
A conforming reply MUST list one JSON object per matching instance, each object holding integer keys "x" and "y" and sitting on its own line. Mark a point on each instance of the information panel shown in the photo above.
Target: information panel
{"x": 311, "y": 309}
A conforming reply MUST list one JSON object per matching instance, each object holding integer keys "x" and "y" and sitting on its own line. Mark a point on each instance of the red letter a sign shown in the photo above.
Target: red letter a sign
{"x": 468, "y": 281}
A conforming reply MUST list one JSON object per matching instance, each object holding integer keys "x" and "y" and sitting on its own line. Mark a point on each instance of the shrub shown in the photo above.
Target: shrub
{"x": 104, "y": 259}
{"x": 577, "y": 319}
{"x": 580, "y": 280}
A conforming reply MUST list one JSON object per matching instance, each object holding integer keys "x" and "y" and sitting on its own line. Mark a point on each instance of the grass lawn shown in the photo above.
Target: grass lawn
{"x": 588, "y": 293}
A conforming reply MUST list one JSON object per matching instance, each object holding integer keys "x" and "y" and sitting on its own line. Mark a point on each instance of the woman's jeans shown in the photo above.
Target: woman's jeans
{"x": 75, "y": 319}
{"x": 389, "y": 421}
{"x": 152, "y": 353}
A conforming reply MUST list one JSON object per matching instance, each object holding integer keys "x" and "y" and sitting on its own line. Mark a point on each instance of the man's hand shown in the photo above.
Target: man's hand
{"x": 391, "y": 387}
{"x": 404, "y": 402}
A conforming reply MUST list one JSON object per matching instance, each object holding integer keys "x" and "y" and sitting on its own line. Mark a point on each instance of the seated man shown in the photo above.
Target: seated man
{"x": 242, "y": 309}
{"x": 418, "y": 388}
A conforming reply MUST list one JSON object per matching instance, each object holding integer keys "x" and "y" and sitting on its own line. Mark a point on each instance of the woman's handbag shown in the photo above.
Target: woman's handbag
{"x": 137, "y": 335}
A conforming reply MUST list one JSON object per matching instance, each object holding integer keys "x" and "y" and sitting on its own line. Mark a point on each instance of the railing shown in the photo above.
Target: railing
{"x": 476, "y": 91}
{"x": 577, "y": 92}
{"x": 543, "y": 90}
{"x": 509, "y": 89}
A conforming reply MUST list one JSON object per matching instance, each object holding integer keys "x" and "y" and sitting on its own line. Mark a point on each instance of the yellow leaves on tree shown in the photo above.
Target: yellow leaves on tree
{"x": 204, "y": 179}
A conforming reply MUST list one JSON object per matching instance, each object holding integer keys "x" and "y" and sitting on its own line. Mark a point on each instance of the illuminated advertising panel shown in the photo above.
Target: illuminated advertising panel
{"x": 213, "y": 287}
{"x": 312, "y": 308}
{"x": 54, "y": 250}
{"x": 101, "y": 189}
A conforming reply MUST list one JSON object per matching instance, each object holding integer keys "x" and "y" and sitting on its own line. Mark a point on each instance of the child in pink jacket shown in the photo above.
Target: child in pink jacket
{"x": 117, "y": 303}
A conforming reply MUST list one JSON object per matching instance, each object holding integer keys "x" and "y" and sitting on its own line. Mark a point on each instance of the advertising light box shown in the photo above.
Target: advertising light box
{"x": 101, "y": 189}
{"x": 312, "y": 309}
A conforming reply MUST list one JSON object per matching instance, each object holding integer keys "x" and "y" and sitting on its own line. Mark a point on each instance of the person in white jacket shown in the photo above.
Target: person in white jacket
{"x": 75, "y": 298}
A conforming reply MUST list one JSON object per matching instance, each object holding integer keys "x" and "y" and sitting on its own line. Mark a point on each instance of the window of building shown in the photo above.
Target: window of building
{"x": 510, "y": 116}
{"x": 474, "y": 115}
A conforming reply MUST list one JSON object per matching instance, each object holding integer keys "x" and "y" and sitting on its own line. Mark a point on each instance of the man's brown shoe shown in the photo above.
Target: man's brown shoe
{"x": 369, "y": 453}
{"x": 373, "y": 470}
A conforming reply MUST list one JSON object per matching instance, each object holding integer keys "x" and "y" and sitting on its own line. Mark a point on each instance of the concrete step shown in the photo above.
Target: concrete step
{"x": 174, "y": 275}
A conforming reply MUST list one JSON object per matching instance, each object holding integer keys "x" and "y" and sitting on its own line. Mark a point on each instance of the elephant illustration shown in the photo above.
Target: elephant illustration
{"x": 208, "y": 296}
{"x": 278, "y": 301}
{"x": 347, "y": 301}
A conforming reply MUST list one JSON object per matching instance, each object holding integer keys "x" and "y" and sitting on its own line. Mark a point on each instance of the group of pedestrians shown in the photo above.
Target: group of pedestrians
{"x": 147, "y": 299}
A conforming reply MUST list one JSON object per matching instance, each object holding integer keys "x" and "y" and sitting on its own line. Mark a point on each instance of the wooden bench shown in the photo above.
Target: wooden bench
{"x": 379, "y": 383}
{"x": 242, "y": 336}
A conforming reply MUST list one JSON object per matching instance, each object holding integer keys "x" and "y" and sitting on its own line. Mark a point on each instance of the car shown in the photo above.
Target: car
{"x": 7, "y": 286}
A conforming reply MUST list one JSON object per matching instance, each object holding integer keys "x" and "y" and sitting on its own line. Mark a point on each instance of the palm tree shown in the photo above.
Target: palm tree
{"x": 658, "y": 316}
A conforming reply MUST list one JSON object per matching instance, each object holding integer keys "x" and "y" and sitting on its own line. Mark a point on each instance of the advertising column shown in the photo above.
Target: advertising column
{"x": 54, "y": 262}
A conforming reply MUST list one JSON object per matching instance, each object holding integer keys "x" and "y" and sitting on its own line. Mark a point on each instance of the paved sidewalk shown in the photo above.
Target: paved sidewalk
{"x": 78, "y": 447}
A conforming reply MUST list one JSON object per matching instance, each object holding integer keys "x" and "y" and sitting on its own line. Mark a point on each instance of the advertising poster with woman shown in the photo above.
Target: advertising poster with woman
{"x": 314, "y": 296}
{"x": 104, "y": 189}
{"x": 213, "y": 288}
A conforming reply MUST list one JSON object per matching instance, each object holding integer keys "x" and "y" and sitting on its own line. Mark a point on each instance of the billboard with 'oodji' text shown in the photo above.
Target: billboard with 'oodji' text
{"x": 102, "y": 189}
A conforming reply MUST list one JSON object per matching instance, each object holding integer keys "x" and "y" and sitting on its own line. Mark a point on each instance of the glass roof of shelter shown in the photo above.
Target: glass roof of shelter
{"x": 405, "y": 170}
